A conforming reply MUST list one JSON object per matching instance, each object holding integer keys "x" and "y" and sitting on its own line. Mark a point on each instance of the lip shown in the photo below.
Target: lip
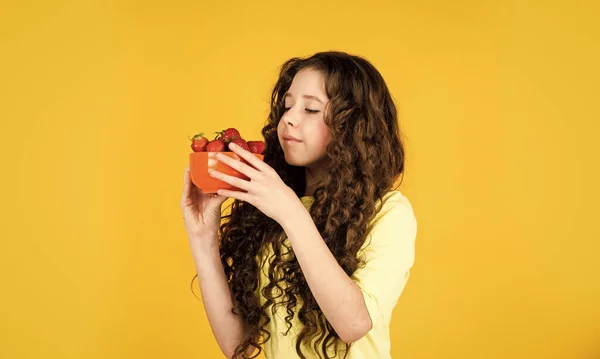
{"x": 290, "y": 138}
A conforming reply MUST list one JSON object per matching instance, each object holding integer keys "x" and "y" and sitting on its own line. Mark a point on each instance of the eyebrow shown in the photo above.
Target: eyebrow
{"x": 310, "y": 97}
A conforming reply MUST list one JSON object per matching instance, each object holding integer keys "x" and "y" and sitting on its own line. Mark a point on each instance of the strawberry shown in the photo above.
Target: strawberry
{"x": 240, "y": 142}
{"x": 215, "y": 146}
{"x": 228, "y": 135}
{"x": 256, "y": 146}
{"x": 199, "y": 142}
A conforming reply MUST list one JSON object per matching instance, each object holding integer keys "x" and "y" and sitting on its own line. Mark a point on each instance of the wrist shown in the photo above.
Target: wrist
{"x": 294, "y": 215}
{"x": 204, "y": 244}
{"x": 206, "y": 257}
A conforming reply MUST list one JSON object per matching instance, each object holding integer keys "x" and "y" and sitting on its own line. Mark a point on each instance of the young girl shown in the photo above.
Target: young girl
{"x": 318, "y": 246}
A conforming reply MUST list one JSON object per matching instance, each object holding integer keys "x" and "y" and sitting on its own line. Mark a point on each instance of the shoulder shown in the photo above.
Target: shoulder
{"x": 394, "y": 224}
{"x": 394, "y": 205}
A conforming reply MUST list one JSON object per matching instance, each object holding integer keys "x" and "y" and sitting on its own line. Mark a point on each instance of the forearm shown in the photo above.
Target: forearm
{"x": 338, "y": 296}
{"x": 227, "y": 327}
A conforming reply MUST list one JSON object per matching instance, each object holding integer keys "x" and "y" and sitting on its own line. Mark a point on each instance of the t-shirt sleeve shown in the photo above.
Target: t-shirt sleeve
{"x": 389, "y": 254}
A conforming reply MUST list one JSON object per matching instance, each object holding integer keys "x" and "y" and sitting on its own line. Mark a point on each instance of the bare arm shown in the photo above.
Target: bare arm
{"x": 216, "y": 297}
{"x": 339, "y": 297}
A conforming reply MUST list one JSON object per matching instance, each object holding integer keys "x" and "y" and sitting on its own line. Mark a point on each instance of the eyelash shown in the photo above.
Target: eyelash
{"x": 307, "y": 110}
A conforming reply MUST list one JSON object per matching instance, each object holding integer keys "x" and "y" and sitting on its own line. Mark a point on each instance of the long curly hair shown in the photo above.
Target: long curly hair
{"x": 367, "y": 158}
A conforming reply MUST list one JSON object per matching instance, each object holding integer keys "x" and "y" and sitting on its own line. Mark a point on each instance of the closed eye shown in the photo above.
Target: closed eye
{"x": 307, "y": 110}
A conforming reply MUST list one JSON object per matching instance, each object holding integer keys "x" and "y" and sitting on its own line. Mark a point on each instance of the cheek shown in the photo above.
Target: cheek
{"x": 321, "y": 138}
{"x": 324, "y": 136}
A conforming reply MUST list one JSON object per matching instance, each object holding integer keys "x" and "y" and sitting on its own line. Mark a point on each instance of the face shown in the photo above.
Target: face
{"x": 303, "y": 119}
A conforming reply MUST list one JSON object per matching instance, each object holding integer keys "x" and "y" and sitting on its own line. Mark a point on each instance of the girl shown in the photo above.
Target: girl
{"x": 318, "y": 246}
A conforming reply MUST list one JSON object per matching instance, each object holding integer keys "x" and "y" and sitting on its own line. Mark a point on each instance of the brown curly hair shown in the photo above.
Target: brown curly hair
{"x": 367, "y": 158}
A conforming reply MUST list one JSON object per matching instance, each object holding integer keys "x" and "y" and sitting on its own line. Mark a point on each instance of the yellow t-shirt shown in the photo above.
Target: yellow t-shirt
{"x": 388, "y": 254}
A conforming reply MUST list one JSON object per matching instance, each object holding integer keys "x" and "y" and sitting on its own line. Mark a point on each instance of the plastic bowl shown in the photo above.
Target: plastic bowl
{"x": 201, "y": 162}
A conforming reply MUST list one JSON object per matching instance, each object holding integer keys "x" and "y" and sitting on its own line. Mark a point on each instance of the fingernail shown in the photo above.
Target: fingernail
{"x": 232, "y": 145}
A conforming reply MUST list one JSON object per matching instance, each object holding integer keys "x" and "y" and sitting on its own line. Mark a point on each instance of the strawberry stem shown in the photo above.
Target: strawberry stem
{"x": 196, "y": 135}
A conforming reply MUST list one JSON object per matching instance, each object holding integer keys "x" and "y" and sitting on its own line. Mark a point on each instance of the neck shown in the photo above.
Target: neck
{"x": 314, "y": 175}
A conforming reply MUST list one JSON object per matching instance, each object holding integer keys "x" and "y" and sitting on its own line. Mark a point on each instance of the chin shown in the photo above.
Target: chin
{"x": 294, "y": 161}
{"x": 291, "y": 161}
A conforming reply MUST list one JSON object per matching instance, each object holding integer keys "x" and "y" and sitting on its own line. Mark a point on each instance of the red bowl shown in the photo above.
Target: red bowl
{"x": 201, "y": 162}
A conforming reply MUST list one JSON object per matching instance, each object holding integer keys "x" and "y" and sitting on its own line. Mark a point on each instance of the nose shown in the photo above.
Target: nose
{"x": 289, "y": 119}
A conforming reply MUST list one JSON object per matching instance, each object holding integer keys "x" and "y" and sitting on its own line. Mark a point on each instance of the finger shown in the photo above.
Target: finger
{"x": 234, "y": 181}
{"x": 238, "y": 166}
{"x": 186, "y": 184}
{"x": 235, "y": 194}
{"x": 249, "y": 156}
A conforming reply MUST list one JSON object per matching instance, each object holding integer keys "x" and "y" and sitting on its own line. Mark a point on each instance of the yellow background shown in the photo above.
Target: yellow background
{"x": 499, "y": 102}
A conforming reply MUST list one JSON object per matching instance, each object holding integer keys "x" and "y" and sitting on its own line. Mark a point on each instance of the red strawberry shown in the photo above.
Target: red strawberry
{"x": 240, "y": 142}
{"x": 228, "y": 135}
{"x": 215, "y": 146}
{"x": 256, "y": 146}
{"x": 199, "y": 142}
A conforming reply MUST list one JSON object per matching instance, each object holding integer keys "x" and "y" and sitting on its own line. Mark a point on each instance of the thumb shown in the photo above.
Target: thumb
{"x": 216, "y": 204}
{"x": 218, "y": 200}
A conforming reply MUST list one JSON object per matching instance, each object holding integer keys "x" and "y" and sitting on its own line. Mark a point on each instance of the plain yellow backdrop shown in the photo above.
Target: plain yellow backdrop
{"x": 498, "y": 100}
